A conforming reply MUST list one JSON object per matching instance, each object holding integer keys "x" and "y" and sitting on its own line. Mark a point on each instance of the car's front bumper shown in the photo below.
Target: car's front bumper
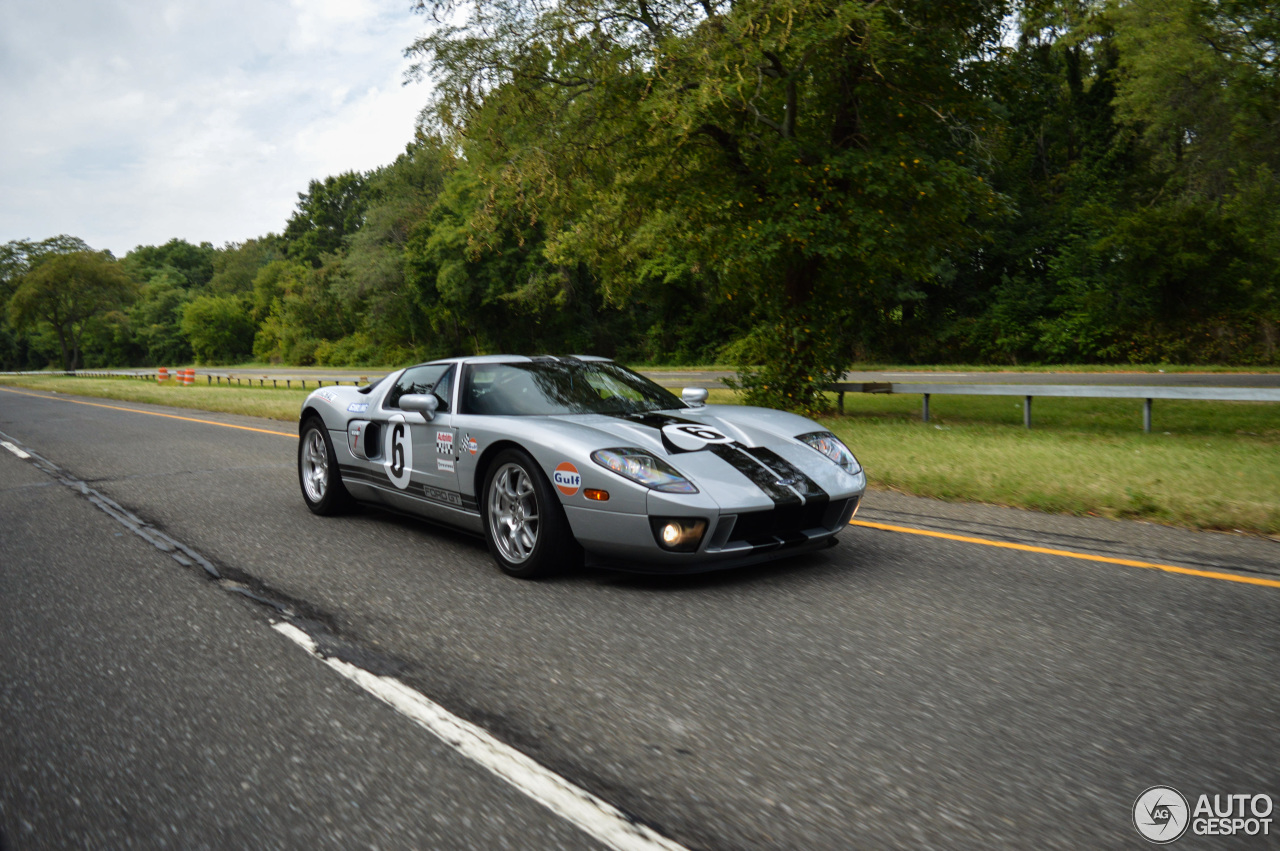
{"x": 732, "y": 539}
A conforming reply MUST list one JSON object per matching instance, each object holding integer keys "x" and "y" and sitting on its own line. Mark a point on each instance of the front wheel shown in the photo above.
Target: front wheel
{"x": 524, "y": 524}
{"x": 318, "y": 474}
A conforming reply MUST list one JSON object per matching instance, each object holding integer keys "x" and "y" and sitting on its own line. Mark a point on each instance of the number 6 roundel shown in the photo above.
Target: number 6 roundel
{"x": 690, "y": 437}
{"x": 398, "y": 452}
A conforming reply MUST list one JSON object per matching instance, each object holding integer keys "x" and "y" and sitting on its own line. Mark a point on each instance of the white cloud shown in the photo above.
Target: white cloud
{"x": 128, "y": 123}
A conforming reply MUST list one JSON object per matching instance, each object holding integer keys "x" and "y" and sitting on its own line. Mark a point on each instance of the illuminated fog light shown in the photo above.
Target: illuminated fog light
{"x": 679, "y": 534}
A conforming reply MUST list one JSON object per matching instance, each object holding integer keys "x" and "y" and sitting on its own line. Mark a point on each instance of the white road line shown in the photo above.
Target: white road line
{"x": 590, "y": 814}
{"x": 15, "y": 450}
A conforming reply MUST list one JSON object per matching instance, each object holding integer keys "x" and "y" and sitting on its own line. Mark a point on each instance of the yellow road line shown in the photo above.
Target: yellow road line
{"x": 149, "y": 413}
{"x": 1027, "y": 548}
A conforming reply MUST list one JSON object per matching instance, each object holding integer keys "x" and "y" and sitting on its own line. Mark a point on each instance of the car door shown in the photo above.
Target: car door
{"x": 420, "y": 455}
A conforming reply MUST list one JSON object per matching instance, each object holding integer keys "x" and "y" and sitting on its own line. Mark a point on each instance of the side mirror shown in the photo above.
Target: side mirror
{"x": 695, "y": 396}
{"x": 422, "y": 403}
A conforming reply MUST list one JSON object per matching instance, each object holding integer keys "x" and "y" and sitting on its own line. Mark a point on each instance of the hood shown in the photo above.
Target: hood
{"x": 731, "y": 452}
{"x": 680, "y": 431}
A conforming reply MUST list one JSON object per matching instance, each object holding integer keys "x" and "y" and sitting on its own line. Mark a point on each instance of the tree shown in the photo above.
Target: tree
{"x": 236, "y": 264}
{"x": 16, "y": 259}
{"x": 373, "y": 286}
{"x": 815, "y": 158}
{"x": 192, "y": 263}
{"x": 329, "y": 211}
{"x": 65, "y": 292}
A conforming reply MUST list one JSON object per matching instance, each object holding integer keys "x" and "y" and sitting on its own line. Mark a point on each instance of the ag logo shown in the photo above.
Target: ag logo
{"x": 1160, "y": 814}
{"x": 690, "y": 437}
{"x": 398, "y": 452}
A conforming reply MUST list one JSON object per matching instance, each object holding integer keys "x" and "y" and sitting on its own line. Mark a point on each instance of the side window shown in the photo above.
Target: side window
{"x": 444, "y": 389}
{"x": 417, "y": 379}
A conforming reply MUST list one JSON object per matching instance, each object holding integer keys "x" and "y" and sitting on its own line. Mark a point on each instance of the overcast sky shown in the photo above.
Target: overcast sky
{"x": 131, "y": 122}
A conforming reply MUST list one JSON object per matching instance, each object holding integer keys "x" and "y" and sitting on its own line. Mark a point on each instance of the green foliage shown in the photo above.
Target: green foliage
{"x": 219, "y": 328}
{"x": 156, "y": 319}
{"x": 328, "y": 212}
{"x": 192, "y": 264}
{"x": 373, "y": 287}
{"x": 236, "y": 264}
{"x": 63, "y": 293}
{"x": 788, "y": 364}
{"x": 788, "y": 185}
{"x": 296, "y": 311}
{"x": 800, "y": 153}
{"x": 17, "y": 346}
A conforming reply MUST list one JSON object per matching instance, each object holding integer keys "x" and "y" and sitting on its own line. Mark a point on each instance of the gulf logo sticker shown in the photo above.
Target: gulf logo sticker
{"x": 567, "y": 479}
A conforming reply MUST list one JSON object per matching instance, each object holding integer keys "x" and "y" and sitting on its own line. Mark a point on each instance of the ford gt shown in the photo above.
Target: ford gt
{"x": 553, "y": 459}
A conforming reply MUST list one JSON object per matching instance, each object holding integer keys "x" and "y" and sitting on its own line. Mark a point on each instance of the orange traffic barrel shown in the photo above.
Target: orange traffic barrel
{"x": 189, "y": 378}
{"x": 162, "y": 374}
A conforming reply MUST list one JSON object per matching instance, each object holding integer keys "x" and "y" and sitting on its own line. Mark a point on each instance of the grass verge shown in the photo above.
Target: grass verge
{"x": 1207, "y": 465}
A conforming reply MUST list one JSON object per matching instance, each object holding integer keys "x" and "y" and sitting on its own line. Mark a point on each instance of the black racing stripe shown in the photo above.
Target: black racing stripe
{"x": 658, "y": 422}
{"x": 359, "y": 474}
{"x": 735, "y": 455}
{"x": 793, "y": 475}
{"x": 416, "y": 489}
{"x": 745, "y": 464}
{"x": 655, "y": 420}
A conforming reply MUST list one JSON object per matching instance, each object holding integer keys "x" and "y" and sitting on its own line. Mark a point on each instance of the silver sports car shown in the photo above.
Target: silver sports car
{"x": 554, "y": 458}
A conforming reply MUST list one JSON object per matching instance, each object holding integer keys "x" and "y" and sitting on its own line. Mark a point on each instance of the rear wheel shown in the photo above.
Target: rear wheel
{"x": 524, "y": 523}
{"x": 318, "y": 474}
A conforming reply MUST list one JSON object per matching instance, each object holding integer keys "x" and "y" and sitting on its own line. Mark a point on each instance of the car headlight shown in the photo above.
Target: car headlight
{"x": 643, "y": 468}
{"x": 829, "y": 445}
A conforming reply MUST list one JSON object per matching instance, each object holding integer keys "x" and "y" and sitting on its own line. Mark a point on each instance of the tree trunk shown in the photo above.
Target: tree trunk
{"x": 62, "y": 342}
{"x": 800, "y": 279}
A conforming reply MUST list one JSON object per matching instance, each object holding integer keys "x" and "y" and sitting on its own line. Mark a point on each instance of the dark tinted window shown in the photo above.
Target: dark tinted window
{"x": 560, "y": 387}
{"x": 417, "y": 379}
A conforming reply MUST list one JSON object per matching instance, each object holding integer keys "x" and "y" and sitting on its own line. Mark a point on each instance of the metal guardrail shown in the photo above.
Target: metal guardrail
{"x": 1089, "y": 391}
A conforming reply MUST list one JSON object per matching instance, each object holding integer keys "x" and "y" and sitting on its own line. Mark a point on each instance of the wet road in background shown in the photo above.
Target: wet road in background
{"x": 899, "y": 690}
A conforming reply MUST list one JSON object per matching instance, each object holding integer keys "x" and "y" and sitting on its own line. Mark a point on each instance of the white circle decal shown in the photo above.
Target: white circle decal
{"x": 398, "y": 452}
{"x": 1161, "y": 815}
{"x": 690, "y": 437}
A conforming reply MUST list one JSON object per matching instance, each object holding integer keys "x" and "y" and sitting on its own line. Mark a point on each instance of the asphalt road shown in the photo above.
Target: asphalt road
{"x": 898, "y": 691}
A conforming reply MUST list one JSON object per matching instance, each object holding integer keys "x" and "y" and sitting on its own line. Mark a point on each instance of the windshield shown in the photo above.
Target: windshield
{"x": 547, "y": 388}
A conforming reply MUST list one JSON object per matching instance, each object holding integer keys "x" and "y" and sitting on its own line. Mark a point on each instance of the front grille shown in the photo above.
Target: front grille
{"x": 783, "y": 524}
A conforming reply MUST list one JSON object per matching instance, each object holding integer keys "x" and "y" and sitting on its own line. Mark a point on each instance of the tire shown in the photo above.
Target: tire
{"x": 318, "y": 474}
{"x": 524, "y": 523}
